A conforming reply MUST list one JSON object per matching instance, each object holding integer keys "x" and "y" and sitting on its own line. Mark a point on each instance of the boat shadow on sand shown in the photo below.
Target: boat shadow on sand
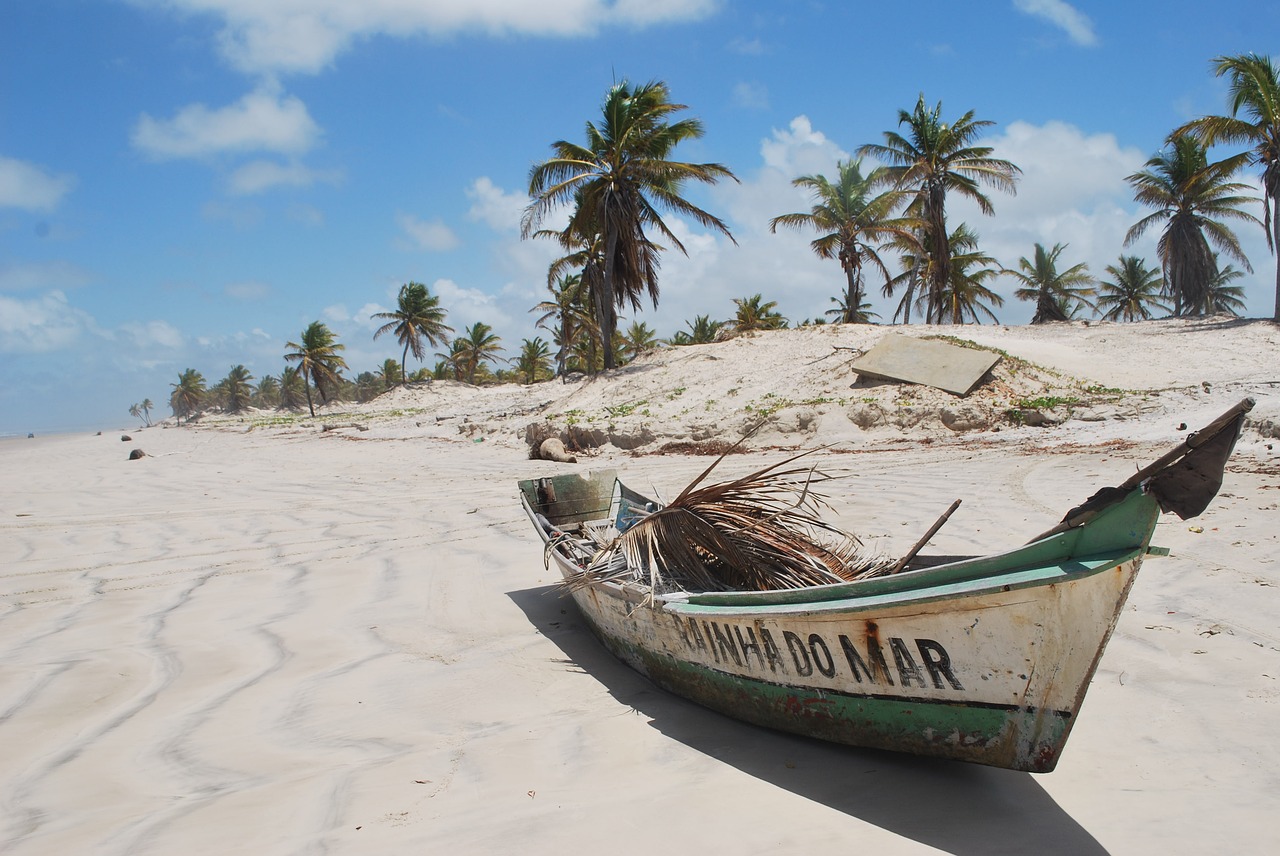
{"x": 963, "y": 809}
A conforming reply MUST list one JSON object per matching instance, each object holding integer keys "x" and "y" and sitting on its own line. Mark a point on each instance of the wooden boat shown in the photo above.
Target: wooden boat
{"x": 984, "y": 659}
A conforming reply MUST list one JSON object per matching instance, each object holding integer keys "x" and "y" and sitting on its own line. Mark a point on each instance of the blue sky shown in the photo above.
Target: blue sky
{"x": 189, "y": 183}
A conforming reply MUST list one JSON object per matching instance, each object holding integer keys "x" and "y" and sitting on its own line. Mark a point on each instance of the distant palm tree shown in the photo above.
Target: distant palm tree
{"x": 292, "y": 392}
{"x": 477, "y": 345}
{"x": 418, "y": 316}
{"x": 618, "y": 182}
{"x": 135, "y": 410}
{"x": 318, "y": 360}
{"x": 566, "y": 315}
{"x": 188, "y": 394}
{"x": 638, "y": 340}
{"x": 932, "y": 159}
{"x": 844, "y": 313}
{"x": 854, "y": 221}
{"x": 392, "y": 373}
{"x": 755, "y": 314}
{"x": 239, "y": 392}
{"x": 1191, "y": 197}
{"x": 1222, "y": 297}
{"x": 146, "y": 406}
{"x": 702, "y": 330}
{"x": 1133, "y": 291}
{"x": 1255, "y": 91}
{"x": 1058, "y": 294}
{"x": 534, "y": 362}
{"x": 267, "y": 393}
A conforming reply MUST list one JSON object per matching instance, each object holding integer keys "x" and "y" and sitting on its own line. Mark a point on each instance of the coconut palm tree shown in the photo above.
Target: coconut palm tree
{"x": 930, "y": 160}
{"x": 135, "y": 410}
{"x": 853, "y": 221}
{"x": 187, "y": 395}
{"x": 754, "y": 313}
{"x": 702, "y": 330}
{"x": 534, "y": 362}
{"x": 418, "y": 316}
{"x": 318, "y": 359}
{"x": 392, "y": 373}
{"x": 566, "y": 315}
{"x": 619, "y": 181}
{"x": 1191, "y": 197}
{"x": 966, "y": 296}
{"x": 146, "y": 406}
{"x": 1255, "y": 92}
{"x": 844, "y": 313}
{"x": 1058, "y": 294}
{"x": 292, "y": 393}
{"x": 478, "y": 344}
{"x": 237, "y": 389}
{"x": 1221, "y": 296}
{"x": 1132, "y": 292}
{"x": 638, "y": 340}
{"x": 267, "y": 392}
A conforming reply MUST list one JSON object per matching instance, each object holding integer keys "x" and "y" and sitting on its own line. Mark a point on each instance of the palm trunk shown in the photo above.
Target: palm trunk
{"x": 1275, "y": 248}
{"x": 605, "y": 299}
{"x": 307, "y": 387}
{"x": 404, "y": 356}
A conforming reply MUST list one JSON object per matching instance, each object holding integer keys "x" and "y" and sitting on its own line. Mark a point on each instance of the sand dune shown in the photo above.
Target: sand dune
{"x": 280, "y": 640}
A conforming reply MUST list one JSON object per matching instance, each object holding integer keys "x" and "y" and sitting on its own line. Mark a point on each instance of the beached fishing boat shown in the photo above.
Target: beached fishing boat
{"x": 983, "y": 659}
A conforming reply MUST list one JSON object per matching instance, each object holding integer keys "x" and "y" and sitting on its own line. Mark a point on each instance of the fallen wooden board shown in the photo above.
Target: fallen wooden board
{"x": 926, "y": 361}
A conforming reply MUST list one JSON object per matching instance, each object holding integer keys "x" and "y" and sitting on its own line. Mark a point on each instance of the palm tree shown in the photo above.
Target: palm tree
{"x": 1255, "y": 91}
{"x": 755, "y": 314}
{"x": 1133, "y": 291}
{"x": 239, "y": 393}
{"x": 534, "y": 362}
{"x": 267, "y": 393}
{"x": 935, "y": 158}
{"x": 566, "y": 315}
{"x": 1191, "y": 197}
{"x": 1058, "y": 294}
{"x": 618, "y": 182}
{"x": 1221, "y": 297}
{"x": 188, "y": 394}
{"x": 418, "y": 316}
{"x": 702, "y": 330}
{"x": 392, "y": 373}
{"x": 966, "y": 294}
{"x": 318, "y": 360}
{"x": 477, "y": 345}
{"x": 146, "y": 406}
{"x": 292, "y": 393}
{"x": 853, "y": 221}
{"x": 846, "y": 313}
{"x": 638, "y": 340}
{"x": 135, "y": 410}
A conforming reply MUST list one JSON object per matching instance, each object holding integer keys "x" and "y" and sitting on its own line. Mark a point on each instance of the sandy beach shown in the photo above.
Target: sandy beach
{"x": 264, "y": 637}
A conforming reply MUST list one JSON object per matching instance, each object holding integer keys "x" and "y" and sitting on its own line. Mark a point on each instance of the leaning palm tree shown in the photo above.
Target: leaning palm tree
{"x": 318, "y": 360}
{"x": 1132, "y": 292}
{"x": 1192, "y": 197}
{"x": 1058, "y": 294}
{"x": 618, "y": 182}
{"x": 478, "y": 344}
{"x": 754, "y": 313}
{"x": 188, "y": 394}
{"x": 852, "y": 222}
{"x": 1255, "y": 91}
{"x": 239, "y": 391}
{"x": 418, "y": 316}
{"x": 934, "y": 158}
{"x": 146, "y": 406}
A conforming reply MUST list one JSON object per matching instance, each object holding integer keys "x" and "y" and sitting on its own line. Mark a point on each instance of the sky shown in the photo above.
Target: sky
{"x": 190, "y": 183}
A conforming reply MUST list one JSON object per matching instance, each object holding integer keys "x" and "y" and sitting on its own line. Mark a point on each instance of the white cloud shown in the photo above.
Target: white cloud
{"x": 307, "y": 35}
{"x": 30, "y": 187}
{"x": 431, "y": 235}
{"x": 261, "y": 175}
{"x": 337, "y": 313}
{"x": 41, "y": 324}
{"x": 1062, "y": 15}
{"x": 150, "y": 334}
{"x": 262, "y": 120}
{"x": 495, "y": 207}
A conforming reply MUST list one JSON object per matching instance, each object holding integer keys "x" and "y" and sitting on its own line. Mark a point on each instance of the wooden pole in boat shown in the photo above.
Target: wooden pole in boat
{"x": 933, "y": 530}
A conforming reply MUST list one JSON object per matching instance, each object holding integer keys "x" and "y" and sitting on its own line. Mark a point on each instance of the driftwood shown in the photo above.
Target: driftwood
{"x": 334, "y": 426}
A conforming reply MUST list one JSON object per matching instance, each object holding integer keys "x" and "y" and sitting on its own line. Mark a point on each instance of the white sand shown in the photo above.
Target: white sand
{"x": 282, "y": 641}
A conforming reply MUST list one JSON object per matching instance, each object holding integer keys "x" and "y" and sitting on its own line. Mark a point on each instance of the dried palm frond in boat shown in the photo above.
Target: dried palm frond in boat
{"x": 759, "y": 532}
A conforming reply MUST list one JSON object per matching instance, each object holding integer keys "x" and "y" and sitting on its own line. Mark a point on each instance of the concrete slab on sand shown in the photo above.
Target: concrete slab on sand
{"x": 926, "y": 361}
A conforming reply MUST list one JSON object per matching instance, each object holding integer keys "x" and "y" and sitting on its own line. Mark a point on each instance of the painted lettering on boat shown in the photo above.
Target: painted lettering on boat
{"x": 901, "y": 662}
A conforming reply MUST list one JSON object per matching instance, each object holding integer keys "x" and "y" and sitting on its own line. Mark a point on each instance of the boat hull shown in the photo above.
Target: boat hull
{"x": 991, "y": 677}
